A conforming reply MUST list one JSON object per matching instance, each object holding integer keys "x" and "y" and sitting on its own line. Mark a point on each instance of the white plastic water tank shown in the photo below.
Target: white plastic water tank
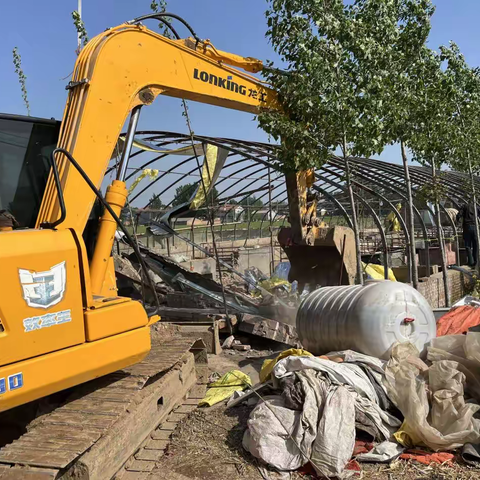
{"x": 368, "y": 319}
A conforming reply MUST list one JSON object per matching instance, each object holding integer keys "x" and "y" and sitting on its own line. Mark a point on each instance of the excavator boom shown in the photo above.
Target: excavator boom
{"x": 120, "y": 69}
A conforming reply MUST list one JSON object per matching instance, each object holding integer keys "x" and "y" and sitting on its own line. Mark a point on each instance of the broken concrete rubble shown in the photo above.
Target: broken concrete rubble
{"x": 242, "y": 348}
{"x": 271, "y": 329}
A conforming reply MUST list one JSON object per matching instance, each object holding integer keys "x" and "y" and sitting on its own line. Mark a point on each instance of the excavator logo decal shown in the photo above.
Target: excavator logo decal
{"x": 43, "y": 289}
{"x": 229, "y": 84}
{"x": 47, "y": 320}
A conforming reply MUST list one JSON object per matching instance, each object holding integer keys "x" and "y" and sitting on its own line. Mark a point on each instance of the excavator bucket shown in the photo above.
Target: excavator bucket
{"x": 331, "y": 260}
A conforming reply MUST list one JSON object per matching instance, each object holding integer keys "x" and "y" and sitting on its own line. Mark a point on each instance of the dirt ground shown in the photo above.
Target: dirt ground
{"x": 208, "y": 444}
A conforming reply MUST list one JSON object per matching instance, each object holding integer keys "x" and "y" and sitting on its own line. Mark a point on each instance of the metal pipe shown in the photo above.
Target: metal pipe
{"x": 132, "y": 128}
{"x": 79, "y": 37}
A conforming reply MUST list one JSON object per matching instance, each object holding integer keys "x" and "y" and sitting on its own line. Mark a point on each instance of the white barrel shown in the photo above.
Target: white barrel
{"x": 368, "y": 319}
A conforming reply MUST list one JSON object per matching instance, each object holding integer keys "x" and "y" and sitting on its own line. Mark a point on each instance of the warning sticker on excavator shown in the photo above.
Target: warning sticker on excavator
{"x": 47, "y": 320}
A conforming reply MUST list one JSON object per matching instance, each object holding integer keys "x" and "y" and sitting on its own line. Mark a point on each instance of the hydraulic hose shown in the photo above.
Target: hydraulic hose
{"x": 114, "y": 216}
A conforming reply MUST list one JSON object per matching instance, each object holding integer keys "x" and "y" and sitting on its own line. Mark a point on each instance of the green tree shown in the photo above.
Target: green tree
{"x": 462, "y": 85}
{"x": 404, "y": 60}
{"x": 156, "y": 202}
{"x": 430, "y": 136}
{"x": 183, "y": 194}
{"x": 332, "y": 95}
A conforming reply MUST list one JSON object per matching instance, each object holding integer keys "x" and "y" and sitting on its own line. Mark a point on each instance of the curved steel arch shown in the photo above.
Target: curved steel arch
{"x": 373, "y": 179}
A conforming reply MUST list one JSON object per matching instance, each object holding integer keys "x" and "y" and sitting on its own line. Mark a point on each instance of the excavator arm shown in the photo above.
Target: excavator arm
{"x": 120, "y": 69}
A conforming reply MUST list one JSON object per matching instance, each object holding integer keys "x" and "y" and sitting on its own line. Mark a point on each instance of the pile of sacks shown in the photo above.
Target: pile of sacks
{"x": 322, "y": 403}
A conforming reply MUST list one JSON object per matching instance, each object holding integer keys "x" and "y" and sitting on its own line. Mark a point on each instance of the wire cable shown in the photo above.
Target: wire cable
{"x": 209, "y": 214}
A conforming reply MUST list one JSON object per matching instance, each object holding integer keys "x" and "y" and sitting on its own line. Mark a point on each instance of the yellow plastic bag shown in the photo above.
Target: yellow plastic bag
{"x": 274, "y": 282}
{"x": 268, "y": 365}
{"x": 224, "y": 387}
{"x": 377, "y": 272}
{"x": 406, "y": 437}
{"x": 391, "y": 222}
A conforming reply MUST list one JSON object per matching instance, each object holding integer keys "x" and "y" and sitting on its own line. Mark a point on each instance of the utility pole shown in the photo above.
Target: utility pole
{"x": 79, "y": 10}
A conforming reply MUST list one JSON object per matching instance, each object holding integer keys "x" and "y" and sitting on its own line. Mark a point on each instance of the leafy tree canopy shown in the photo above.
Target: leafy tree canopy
{"x": 251, "y": 201}
{"x": 338, "y": 61}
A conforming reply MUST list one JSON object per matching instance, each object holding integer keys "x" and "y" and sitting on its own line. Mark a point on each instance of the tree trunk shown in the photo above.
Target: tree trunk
{"x": 440, "y": 238}
{"x": 354, "y": 214}
{"x": 410, "y": 219}
{"x": 270, "y": 212}
{"x": 474, "y": 198}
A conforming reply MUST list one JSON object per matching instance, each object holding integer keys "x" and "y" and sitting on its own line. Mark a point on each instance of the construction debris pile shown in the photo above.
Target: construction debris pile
{"x": 261, "y": 306}
{"x": 329, "y": 414}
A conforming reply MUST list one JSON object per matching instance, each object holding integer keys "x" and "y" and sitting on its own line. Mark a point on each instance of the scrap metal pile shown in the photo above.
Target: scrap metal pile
{"x": 266, "y": 306}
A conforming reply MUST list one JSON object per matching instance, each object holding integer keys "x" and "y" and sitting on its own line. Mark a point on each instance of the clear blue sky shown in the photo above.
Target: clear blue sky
{"x": 44, "y": 33}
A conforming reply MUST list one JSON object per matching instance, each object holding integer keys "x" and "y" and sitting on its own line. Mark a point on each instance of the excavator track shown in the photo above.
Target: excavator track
{"x": 106, "y": 421}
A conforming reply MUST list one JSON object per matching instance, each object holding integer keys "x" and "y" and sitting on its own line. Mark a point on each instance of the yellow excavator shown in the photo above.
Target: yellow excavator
{"x": 61, "y": 320}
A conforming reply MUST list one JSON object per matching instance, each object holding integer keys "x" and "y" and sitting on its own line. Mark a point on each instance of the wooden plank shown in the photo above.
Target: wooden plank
{"x": 150, "y": 455}
{"x": 141, "y": 466}
{"x": 186, "y": 409}
{"x": 190, "y": 401}
{"x": 156, "y": 444}
{"x": 161, "y": 434}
